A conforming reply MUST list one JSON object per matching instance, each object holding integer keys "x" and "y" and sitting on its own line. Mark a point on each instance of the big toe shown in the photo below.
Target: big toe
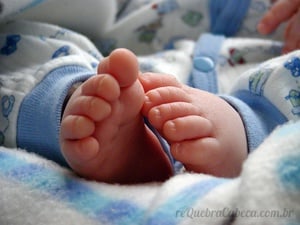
{"x": 122, "y": 64}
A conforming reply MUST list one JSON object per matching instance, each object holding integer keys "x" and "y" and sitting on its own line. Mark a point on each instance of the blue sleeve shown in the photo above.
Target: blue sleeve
{"x": 259, "y": 116}
{"x": 40, "y": 112}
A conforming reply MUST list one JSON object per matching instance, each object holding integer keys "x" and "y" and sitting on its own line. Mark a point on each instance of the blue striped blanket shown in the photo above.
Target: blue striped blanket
{"x": 34, "y": 190}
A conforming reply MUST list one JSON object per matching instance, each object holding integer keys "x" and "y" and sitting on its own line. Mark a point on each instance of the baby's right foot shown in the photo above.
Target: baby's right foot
{"x": 103, "y": 135}
{"x": 205, "y": 133}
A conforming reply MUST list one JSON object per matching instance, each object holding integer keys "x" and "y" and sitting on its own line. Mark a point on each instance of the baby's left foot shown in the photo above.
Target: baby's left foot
{"x": 205, "y": 133}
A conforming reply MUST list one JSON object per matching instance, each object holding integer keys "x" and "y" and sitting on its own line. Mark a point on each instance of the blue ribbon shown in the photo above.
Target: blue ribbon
{"x": 226, "y": 16}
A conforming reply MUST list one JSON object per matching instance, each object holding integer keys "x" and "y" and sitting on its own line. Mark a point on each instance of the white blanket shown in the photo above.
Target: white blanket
{"x": 37, "y": 191}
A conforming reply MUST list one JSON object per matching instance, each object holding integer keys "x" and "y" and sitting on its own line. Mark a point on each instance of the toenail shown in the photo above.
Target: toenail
{"x": 176, "y": 149}
{"x": 147, "y": 100}
{"x": 101, "y": 80}
{"x": 172, "y": 126}
{"x": 157, "y": 113}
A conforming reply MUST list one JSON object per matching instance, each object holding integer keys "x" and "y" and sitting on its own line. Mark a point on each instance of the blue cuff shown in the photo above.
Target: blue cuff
{"x": 40, "y": 112}
{"x": 259, "y": 116}
{"x": 226, "y": 16}
{"x": 205, "y": 60}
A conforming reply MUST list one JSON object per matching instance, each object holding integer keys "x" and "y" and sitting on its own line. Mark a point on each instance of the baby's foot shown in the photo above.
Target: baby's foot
{"x": 103, "y": 136}
{"x": 205, "y": 133}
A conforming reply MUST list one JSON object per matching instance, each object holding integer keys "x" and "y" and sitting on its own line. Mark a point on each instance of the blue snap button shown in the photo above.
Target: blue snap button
{"x": 204, "y": 64}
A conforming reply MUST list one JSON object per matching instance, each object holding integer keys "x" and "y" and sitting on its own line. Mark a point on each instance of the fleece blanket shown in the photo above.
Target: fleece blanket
{"x": 34, "y": 190}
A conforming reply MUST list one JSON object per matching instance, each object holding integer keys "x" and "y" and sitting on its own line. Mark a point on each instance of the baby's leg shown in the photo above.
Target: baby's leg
{"x": 205, "y": 133}
{"x": 103, "y": 136}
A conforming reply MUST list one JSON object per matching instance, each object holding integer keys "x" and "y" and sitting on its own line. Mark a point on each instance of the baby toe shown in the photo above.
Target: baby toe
{"x": 165, "y": 95}
{"x": 122, "y": 64}
{"x": 187, "y": 127}
{"x": 95, "y": 108}
{"x": 79, "y": 152}
{"x": 103, "y": 86}
{"x": 76, "y": 127}
{"x": 160, "y": 114}
{"x": 199, "y": 155}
